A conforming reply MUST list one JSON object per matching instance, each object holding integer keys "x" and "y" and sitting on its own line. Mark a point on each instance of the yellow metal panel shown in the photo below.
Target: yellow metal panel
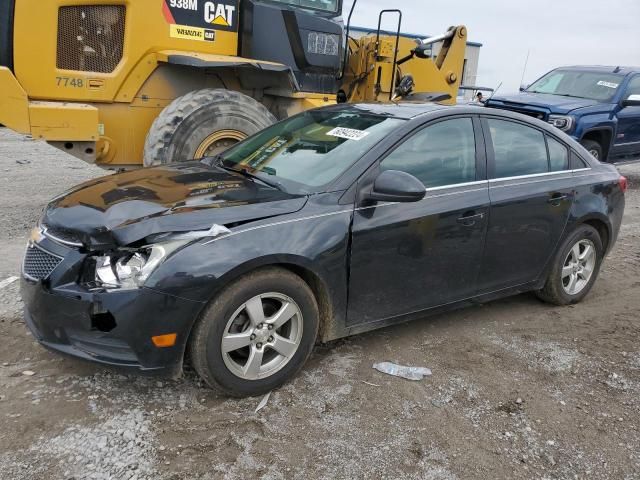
{"x": 55, "y": 121}
{"x": 147, "y": 30}
{"x": 14, "y": 110}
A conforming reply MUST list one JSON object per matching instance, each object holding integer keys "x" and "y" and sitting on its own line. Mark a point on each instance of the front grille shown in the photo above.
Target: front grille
{"x": 38, "y": 263}
{"x": 90, "y": 38}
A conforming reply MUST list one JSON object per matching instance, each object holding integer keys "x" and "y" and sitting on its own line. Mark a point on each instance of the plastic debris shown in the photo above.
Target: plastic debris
{"x": 369, "y": 383}
{"x": 410, "y": 373}
{"x": 7, "y": 281}
{"x": 263, "y": 402}
{"x": 28, "y": 373}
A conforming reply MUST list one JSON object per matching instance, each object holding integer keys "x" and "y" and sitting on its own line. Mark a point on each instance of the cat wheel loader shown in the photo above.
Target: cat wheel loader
{"x": 126, "y": 83}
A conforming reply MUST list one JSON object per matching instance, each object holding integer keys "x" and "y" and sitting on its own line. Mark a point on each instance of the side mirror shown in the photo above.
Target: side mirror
{"x": 523, "y": 87}
{"x": 632, "y": 101}
{"x": 396, "y": 186}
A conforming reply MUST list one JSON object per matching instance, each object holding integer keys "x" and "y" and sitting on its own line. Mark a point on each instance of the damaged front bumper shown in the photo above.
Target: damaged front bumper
{"x": 109, "y": 327}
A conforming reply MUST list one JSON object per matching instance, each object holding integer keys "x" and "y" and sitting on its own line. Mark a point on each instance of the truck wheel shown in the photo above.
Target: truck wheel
{"x": 256, "y": 334}
{"x": 203, "y": 123}
{"x": 594, "y": 148}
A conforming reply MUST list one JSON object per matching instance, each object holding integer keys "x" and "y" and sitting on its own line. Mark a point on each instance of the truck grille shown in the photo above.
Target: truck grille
{"x": 90, "y": 38}
{"x": 38, "y": 263}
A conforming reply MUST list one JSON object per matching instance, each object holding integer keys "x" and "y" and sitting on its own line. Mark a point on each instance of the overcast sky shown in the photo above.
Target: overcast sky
{"x": 557, "y": 32}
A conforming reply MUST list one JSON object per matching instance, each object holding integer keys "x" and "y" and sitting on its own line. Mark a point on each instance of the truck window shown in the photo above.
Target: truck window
{"x": 634, "y": 87}
{"x": 601, "y": 86}
{"x": 325, "y": 5}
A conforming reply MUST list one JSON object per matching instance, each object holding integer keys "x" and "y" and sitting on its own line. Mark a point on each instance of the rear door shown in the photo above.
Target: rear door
{"x": 406, "y": 257}
{"x": 627, "y": 141}
{"x": 530, "y": 188}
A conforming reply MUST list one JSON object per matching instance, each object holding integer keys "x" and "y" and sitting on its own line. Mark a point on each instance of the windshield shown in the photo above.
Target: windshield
{"x": 572, "y": 83}
{"x": 324, "y": 5}
{"x": 311, "y": 149}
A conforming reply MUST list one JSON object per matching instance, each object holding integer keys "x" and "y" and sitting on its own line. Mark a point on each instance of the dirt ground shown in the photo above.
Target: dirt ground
{"x": 519, "y": 389}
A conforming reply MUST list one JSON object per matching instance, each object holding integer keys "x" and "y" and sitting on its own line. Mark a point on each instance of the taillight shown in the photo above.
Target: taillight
{"x": 622, "y": 181}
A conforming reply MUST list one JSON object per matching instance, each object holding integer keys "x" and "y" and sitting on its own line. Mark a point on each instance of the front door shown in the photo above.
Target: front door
{"x": 531, "y": 192}
{"x": 627, "y": 141}
{"x": 406, "y": 257}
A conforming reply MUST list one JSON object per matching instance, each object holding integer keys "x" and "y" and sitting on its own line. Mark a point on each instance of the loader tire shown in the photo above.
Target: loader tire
{"x": 203, "y": 123}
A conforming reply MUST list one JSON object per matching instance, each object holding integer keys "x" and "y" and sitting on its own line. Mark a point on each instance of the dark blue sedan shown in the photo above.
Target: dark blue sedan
{"x": 333, "y": 222}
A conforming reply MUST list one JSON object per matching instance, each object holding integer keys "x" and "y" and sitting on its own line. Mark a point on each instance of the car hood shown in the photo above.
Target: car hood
{"x": 125, "y": 208}
{"x": 549, "y": 102}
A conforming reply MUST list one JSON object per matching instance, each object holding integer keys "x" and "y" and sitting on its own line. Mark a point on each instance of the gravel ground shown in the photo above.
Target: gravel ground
{"x": 519, "y": 389}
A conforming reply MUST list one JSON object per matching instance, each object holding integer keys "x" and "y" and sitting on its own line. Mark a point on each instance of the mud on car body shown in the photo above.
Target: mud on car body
{"x": 333, "y": 222}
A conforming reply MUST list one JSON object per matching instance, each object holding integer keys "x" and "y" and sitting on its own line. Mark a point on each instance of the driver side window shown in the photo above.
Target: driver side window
{"x": 634, "y": 87}
{"x": 438, "y": 155}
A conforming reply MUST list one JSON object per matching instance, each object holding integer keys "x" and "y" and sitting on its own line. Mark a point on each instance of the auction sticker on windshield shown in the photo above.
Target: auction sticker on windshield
{"x": 602, "y": 83}
{"x": 348, "y": 133}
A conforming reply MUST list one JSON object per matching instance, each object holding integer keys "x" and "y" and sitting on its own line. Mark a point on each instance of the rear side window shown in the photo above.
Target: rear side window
{"x": 558, "y": 155}
{"x": 438, "y": 155}
{"x": 518, "y": 149}
{"x": 577, "y": 162}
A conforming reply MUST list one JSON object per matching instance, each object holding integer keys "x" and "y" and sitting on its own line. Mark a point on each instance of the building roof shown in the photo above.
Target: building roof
{"x": 404, "y": 34}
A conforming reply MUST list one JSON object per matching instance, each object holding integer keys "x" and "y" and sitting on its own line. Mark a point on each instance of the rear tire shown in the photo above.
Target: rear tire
{"x": 594, "y": 148}
{"x": 226, "y": 338}
{"x": 569, "y": 266}
{"x": 203, "y": 123}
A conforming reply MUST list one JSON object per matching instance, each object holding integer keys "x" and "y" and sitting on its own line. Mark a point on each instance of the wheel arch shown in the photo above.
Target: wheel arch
{"x": 601, "y": 224}
{"x": 602, "y": 135}
{"x": 302, "y": 267}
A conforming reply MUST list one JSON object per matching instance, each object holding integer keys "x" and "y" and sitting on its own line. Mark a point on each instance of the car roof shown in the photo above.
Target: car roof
{"x": 602, "y": 69}
{"x": 401, "y": 110}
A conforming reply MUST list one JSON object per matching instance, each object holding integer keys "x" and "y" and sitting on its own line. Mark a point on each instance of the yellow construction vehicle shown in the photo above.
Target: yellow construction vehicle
{"x": 122, "y": 83}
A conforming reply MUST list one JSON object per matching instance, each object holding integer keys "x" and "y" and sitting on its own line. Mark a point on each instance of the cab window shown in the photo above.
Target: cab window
{"x": 439, "y": 155}
{"x": 518, "y": 149}
{"x": 634, "y": 87}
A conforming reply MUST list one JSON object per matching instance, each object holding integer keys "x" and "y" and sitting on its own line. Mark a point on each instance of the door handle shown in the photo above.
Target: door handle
{"x": 557, "y": 198}
{"x": 469, "y": 220}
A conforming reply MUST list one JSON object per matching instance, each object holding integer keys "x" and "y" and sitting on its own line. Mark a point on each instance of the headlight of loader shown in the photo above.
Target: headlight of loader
{"x": 562, "y": 122}
{"x": 129, "y": 270}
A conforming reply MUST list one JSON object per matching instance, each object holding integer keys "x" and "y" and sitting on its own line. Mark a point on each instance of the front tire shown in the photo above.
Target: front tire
{"x": 256, "y": 334}
{"x": 203, "y": 123}
{"x": 575, "y": 267}
{"x": 594, "y": 148}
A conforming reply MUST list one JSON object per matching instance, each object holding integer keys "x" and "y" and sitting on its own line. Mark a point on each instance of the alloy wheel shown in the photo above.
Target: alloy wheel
{"x": 578, "y": 267}
{"x": 262, "y": 336}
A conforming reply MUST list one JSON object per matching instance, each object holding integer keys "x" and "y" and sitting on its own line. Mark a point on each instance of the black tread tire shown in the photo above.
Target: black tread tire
{"x": 205, "y": 341}
{"x": 553, "y": 292}
{"x": 592, "y": 145}
{"x": 182, "y": 126}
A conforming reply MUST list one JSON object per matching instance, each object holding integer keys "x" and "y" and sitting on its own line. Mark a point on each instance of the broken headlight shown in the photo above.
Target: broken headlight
{"x": 130, "y": 269}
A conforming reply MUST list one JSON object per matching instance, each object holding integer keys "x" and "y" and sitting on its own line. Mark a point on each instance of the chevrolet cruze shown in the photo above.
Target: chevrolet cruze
{"x": 333, "y": 222}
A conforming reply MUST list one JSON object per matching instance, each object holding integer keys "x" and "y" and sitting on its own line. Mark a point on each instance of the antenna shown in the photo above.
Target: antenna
{"x": 493, "y": 93}
{"x": 524, "y": 70}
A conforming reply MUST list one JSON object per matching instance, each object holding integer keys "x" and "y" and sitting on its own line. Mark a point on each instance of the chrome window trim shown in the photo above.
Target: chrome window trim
{"x": 536, "y": 175}
{"x": 45, "y": 232}
{"x": 457, "y": 185}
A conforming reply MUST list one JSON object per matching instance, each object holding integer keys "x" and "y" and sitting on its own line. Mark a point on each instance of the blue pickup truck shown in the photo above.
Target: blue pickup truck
{"x": 598, "y": 106}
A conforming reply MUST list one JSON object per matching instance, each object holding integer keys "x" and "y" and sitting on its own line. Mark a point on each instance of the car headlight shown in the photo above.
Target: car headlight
{"x": 130, "y": 269}
{"x": 562, "y": 122}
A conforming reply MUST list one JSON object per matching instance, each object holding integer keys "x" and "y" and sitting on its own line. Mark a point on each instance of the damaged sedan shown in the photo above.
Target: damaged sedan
{"x": 333, "y": 222}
